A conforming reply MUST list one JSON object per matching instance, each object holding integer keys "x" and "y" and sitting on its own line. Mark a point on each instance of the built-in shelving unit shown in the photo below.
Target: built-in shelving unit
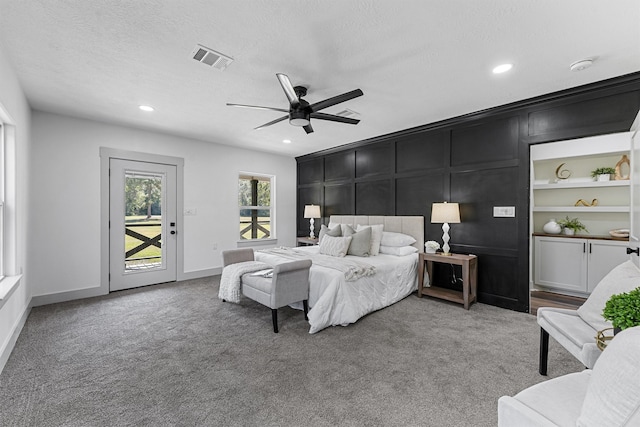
{"x": 580, "y": 184}
{"x": 561, "y": 186}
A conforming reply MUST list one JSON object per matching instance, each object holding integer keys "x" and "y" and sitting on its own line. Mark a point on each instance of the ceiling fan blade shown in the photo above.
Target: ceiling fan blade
{"x": 308, "y": 129}
{"x": 257, "y": 107}
{"x": 335, "y": 100}
{"x": 273, "y": 122}
{"x": 288, "y": 89}
{"x": 334, "y": 118}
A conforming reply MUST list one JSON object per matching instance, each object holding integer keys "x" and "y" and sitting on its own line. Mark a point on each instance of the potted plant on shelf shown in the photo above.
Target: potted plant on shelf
{"x": 602, "y": 174}
{"x": 571, "y": 226}
{"x": 623, "y": 310}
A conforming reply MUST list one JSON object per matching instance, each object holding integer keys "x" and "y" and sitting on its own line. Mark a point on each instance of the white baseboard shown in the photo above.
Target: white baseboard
{"x": 67, "y": 296}
{"x": 188, "y": 275}
{"x": 17, "y": 328}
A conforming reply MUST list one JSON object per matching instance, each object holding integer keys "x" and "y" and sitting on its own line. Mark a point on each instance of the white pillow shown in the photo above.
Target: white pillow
{"x": 335, "y": 246}
{"x": 623, "y": 278}
{"x": 376, "y": 237}
{"x": 389, "y": 238}
{"x": 612, "y": 394}
{"x": 330, "y": 231}
{"x": 398, "y": 250}
{"x": 343, "y": 227}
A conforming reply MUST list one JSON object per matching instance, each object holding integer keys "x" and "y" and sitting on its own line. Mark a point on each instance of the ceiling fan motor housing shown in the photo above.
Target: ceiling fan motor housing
{"x": 299, "y": 117}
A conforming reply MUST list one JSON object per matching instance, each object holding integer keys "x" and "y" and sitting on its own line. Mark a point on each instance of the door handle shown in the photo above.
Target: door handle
{"x": 633, "y": 251}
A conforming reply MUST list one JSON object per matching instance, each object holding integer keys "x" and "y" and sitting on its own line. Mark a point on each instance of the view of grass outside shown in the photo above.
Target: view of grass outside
{"x": 148, "y": 227}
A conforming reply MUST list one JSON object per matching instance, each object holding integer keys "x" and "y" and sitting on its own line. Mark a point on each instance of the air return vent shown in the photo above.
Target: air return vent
{"x": 210, "y": 57}
{"x": 348, "y": 113}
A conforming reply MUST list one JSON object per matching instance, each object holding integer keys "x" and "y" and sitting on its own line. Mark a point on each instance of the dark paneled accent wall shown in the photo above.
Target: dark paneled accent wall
{"x": 480, "y": 160}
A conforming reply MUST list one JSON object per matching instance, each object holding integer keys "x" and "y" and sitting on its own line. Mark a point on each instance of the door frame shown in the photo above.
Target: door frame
{"x": 106, "y": 154}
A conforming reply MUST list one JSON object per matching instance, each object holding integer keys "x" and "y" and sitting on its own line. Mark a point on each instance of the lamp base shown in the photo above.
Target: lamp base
{"x": 445, "y": 239}
{"x": 311, "y": 234}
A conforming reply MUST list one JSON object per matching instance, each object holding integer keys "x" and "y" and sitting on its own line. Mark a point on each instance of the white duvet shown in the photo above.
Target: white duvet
{"x": 334, "y": 301}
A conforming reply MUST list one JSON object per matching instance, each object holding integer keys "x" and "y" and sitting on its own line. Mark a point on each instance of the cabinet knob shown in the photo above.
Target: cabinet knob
{"x": 633, "y": 251}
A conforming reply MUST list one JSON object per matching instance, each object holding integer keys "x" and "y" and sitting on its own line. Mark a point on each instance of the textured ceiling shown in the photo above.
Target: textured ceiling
{"x": 417, "y": 61}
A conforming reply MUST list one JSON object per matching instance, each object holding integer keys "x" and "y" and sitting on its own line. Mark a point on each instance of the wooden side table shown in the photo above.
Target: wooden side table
{"x": 469, "y": 265}
{"x": 306, "y": 241}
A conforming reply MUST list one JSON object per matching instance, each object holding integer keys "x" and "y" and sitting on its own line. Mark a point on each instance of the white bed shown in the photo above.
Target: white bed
{"x": 335, "y": 301}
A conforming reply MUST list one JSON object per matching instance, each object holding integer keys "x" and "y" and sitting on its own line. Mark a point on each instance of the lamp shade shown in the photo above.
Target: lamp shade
{"x": 445, "y": 212}
{"x": 312, "y": 211}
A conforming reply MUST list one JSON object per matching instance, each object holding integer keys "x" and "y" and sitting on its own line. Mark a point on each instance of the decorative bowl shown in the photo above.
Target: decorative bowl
{"x": 620, "y": 232}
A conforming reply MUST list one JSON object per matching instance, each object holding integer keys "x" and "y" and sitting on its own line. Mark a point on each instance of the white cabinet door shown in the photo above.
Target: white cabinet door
{"x": 603, "y": 256}
{"x": 561, "y": 263}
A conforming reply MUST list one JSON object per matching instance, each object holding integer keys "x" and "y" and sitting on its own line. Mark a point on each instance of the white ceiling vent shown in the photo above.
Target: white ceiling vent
{"x": 211, "y": 57}
{"x": 348, "y": 113}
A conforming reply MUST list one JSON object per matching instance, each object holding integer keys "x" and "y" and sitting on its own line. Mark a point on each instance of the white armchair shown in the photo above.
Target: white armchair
{"x": 608, "y": 395}
{"x": 575, "y": 330}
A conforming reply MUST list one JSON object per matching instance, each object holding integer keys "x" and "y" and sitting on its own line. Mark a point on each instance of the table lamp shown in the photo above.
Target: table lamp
{"x": 445, "y": 213}
{"x": 311, "y": 212}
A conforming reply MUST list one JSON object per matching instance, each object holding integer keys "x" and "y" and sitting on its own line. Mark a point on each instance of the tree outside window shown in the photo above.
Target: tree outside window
{"x": 254, "y": 201}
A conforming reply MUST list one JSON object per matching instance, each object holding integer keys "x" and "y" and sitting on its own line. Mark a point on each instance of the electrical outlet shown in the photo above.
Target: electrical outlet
{"x": 190, "y": 211}
{"x": 215, "y": 246}
{"x": 504, "y": 211}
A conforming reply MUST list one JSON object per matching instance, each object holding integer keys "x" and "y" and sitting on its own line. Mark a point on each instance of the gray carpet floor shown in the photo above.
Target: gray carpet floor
{"x": 173, "y": 354}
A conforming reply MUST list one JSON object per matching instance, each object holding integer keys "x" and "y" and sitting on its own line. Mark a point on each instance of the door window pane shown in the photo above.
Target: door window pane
{"x": 143, "y": 221}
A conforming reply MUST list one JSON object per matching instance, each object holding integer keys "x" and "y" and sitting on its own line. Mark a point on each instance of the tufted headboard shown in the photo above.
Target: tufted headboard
{"x": 411, "y": 225}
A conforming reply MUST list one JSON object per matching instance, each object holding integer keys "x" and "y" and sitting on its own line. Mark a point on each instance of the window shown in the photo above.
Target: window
{"x": 255, "y": 197}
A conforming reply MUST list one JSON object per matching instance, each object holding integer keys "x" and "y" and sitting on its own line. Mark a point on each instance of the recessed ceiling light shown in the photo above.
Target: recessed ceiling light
{"x": 146, "y": 108}
{"x": 286, "y": 141}
{"x": 581, "y": 65}
{"x": 503, "y": 68}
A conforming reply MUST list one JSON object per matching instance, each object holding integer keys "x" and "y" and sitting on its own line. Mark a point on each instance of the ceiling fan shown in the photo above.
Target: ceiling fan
{"x": 300, "y": 112}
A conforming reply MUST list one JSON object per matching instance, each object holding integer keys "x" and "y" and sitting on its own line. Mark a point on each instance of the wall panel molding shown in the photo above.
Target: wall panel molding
{"x": 480, "y": 160}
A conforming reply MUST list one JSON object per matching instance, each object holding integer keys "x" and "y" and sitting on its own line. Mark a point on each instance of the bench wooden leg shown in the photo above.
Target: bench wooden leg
{"x": 544, "y": 351}
{"x": 305, "y": 304}
{"x": 274, "y": 317}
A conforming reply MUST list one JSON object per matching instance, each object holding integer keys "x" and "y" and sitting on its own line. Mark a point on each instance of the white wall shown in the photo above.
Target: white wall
{"x": 64, "y": 238}
{"x": 14, "y": 110}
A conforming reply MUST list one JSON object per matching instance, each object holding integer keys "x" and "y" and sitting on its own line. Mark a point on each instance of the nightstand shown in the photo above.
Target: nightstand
{"x": 469, "y": 265}
{"x": 306, "y": 241}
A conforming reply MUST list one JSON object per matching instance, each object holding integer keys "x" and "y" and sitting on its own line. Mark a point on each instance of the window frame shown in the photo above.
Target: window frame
{"x": 3, "y": 171}
{"x": 242, "y": 175}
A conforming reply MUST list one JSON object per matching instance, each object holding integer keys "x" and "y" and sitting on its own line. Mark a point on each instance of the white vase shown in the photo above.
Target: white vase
{"x": 604, "y": 177}
{"x": 552, "y": 227}
{"x": 429, "y": 250}
{"x": 569, "y": 231}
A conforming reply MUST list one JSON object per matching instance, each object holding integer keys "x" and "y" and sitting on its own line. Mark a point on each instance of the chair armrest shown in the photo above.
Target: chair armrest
{"x": 567, "y": 311}
{"x": 512, "y": 412}
{"x": 291, "y": 266}
{"x": 290, "y": 283}
{"x": 235, "y": 256}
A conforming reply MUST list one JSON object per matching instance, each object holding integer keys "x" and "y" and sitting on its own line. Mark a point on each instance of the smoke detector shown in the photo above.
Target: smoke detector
{"x": 210, "y": 57}
{"x": 581, "y": 65}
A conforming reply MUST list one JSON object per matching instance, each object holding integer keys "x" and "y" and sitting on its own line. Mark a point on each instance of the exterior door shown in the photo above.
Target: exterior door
{"x": 634, "y": 235}
{"x": 142, "y": 224}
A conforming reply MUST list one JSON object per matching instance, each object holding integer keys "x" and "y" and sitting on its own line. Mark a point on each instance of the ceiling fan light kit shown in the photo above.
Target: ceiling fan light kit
{"x": 300, "y": 112}
{"x": 299, "y": 118}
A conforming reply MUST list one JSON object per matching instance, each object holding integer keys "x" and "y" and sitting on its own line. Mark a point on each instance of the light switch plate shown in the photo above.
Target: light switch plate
{"x": 190, "y": 211}
{"x": 504, "y": 211}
